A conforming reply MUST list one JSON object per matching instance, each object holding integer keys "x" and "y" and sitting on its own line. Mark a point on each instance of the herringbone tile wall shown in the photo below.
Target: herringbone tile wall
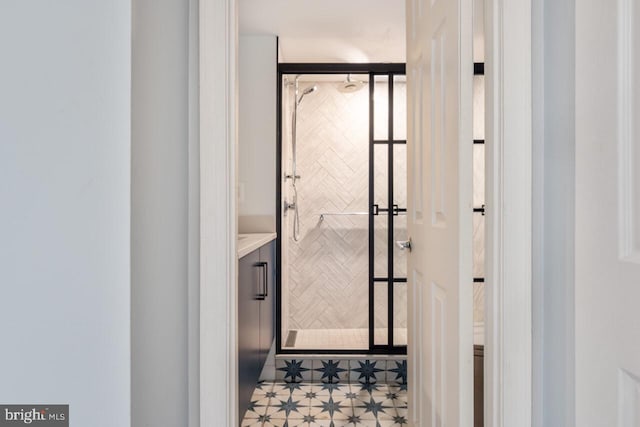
{"x": 478, "y": 198}
{"x": 328, "y": 266}
{"x": 325, "y": 273}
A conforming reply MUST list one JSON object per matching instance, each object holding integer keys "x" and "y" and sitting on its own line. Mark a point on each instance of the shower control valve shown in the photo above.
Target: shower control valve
{"x": 297, "y": 177}
{"x": 288, "y": 206}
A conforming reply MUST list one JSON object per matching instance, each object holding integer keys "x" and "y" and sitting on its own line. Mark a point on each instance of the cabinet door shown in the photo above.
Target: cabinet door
{"x": 249, "y": 352}
{"x": 267, "y": 306}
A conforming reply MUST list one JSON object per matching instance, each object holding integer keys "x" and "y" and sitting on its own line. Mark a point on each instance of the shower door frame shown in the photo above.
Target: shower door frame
{"x": 372, "y": 70}
{"x": 391, "y": 210}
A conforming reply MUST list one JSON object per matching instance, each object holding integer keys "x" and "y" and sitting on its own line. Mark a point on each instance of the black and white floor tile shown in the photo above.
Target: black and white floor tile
{"x": 336, "y": 371}
{"x": 328, "y": 404}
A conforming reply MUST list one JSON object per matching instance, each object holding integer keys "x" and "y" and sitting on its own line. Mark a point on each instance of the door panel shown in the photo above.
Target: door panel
{"x": 400, "y": 314}
{"x": 381, "y": 246}
{"x": 248, "y": 328}
{"x": 399, "y": 108}
{"x": 437, "y": 319}
{"x": 607, "y": 268}
{"x": 267, "y": 306}
{"x": 388, "y": 211}
{"x": 381, "y": 313}
{"x": 440, "y": 73}
{"x": 437, "y": 122}
{"x": 381, "y": 107}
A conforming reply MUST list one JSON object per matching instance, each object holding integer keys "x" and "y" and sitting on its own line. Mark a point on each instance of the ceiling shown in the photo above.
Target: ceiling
{"x": 329, "y": 30}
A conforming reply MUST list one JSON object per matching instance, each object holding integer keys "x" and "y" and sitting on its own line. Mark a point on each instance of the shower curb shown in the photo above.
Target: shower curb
{"x": 372, "y": 369}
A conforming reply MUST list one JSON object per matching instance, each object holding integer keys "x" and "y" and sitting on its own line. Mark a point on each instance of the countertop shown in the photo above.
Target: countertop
{"x": 249, "y": 242}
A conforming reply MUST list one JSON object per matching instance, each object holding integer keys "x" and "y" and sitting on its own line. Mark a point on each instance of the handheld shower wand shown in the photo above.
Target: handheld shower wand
{"x": 294, "y": 173}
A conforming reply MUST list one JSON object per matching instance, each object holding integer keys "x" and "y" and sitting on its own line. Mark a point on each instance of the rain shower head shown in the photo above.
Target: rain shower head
{"x": 350, "y": 85}
{"x": 307, "y": 91}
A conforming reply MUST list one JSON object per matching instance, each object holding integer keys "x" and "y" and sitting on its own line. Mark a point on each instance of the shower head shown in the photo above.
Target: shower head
{"x": 310, "y": 89}
{"x": 307, "y": 91}
{"x": 350, "y": 85}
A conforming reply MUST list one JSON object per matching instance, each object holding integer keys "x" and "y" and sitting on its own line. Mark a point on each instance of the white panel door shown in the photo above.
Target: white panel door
{"x": 607, "y": 263}
{"x": 439, "y": 75}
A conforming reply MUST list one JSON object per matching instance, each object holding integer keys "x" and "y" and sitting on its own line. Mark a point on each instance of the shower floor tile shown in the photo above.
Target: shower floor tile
{"x": 342, "y": 339}
{"x": 331, "y": 405}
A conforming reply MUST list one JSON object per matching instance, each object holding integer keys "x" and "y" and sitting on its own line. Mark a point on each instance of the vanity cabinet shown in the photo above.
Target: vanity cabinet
{"x": 256, "y": 318}
{"x": 478, "y": 385}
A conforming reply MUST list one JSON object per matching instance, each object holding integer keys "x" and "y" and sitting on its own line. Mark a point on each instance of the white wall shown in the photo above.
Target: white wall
{"x": 217, "y": 111}
{"x": 64, "y": 221}
{"x": 257, "y": 69}
{"x": 159, "y": 213}
{"x": 554, "y": 208}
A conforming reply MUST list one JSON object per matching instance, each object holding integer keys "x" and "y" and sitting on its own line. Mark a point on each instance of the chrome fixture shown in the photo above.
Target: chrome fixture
{"x": 294, "y": 173}
{"x": 322, "y": 215}
{"x": 404, "y": 244}
{"x": 307, "y": 91}
{"x": 288, "y": 206}
{"x": 350, "y": 85}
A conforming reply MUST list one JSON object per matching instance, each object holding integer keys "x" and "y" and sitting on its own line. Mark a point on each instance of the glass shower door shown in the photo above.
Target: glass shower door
{"x": 388, "y": 195}
{"x": 343, "y": 281}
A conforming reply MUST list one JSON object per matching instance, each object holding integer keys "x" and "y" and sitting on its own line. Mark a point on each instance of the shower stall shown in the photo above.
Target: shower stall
{"x": 342, "y": 192}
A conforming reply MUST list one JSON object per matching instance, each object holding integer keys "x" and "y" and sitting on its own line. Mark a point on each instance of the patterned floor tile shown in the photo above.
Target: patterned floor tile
{"x": 326, "y": 407}
{"x": 403, "y": 412}
{"x": 367, "y": 371}
{"x": 255, "y": 411}
{"x": 330, "y": 371}
{"x": 247, "y": 422}
{"x": 282, "y": 404}
{"x": 370, "y": 387}
{"x": 373, "y": 409}
{"x": 283, "y": 391}
{"x": 327, "y": 389}
{"x": 397, "y": 372}
{"x": 265, "y": 386}
{"x": 261, "y": 399}
{"x": 401, "y": 399}
{"x": 276, "y": 423}
{"x": 294, "y": 370}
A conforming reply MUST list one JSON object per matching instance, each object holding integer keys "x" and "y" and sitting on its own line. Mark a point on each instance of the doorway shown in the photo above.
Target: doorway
{"x": 342, "y": 152}
{"x": 509, "y": 185}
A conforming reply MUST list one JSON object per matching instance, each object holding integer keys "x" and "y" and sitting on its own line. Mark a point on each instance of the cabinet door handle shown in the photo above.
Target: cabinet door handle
{"x": 262, "y": 293}
{"x": 265, "y": 273}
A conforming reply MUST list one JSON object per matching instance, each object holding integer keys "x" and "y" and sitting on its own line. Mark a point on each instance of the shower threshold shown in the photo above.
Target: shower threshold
{"x": 340, "y": 339}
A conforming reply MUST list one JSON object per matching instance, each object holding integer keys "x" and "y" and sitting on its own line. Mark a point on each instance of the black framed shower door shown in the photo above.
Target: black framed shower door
{"x": 384, "y": 278}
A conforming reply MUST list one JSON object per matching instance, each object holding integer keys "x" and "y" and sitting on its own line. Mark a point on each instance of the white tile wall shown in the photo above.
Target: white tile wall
{"x": 328, "y": 266}
{"x": 325, "y": 274}
{"x": 478, "y": 199}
